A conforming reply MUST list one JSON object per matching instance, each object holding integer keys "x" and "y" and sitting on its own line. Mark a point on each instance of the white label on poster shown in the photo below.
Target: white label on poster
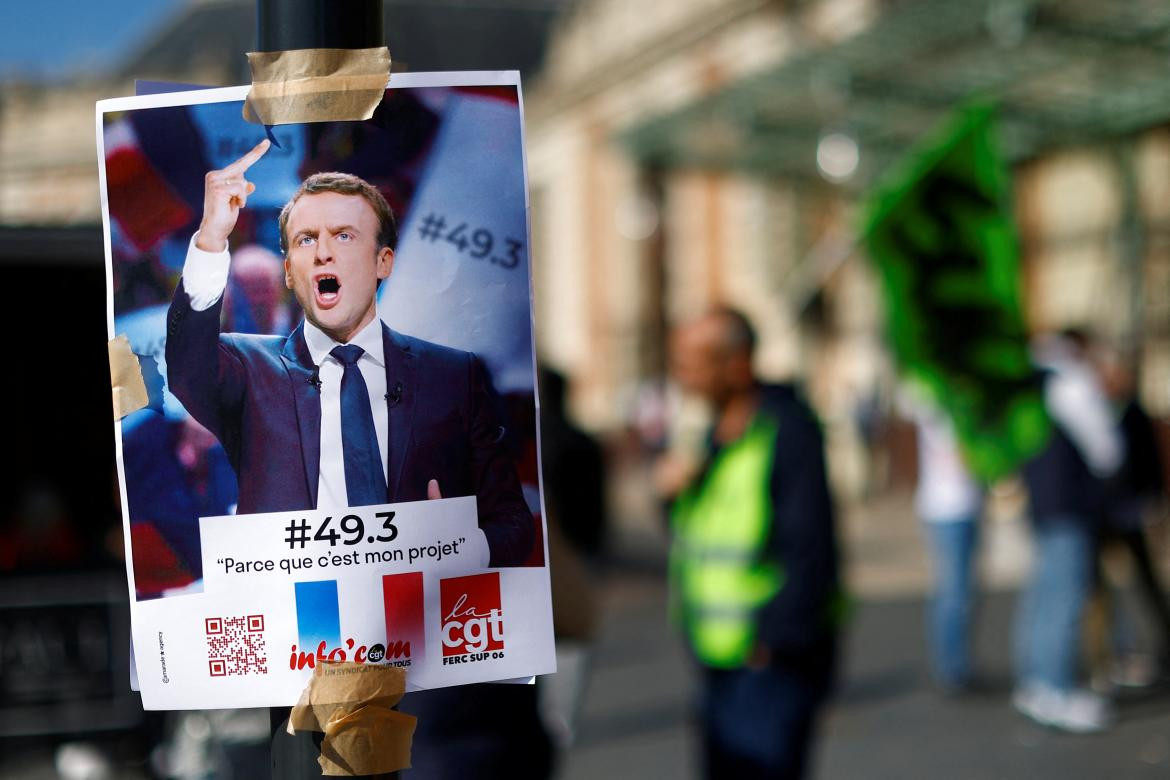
{"x": 268, "y": 616}
{"x": 246, "y": 648}
{"x": 440, "y": 536}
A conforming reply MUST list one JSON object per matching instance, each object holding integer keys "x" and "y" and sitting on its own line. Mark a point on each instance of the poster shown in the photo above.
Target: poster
{"x": 339, "y": 458}
{"x": 940, "y": 232}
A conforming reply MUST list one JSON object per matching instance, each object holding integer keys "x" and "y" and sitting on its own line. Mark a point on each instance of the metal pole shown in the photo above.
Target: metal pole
{"x": 282, "y": 25}
{"x": 318, "y": 24}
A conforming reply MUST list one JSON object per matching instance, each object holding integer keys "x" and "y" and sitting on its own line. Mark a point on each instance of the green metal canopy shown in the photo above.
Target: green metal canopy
{"x": 1061, "y": 71}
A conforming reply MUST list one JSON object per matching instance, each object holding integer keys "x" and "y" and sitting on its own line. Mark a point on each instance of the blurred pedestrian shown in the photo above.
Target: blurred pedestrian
{"x": 492, "y": 731}
{"x": 948, "y": 500}
{"x": 1137, "y": 493}
{"x": 574, "y": 471}
{"x": 1067, "y": 492}
{"x": 754, "y": 560}
{"x": 573, "y": 468}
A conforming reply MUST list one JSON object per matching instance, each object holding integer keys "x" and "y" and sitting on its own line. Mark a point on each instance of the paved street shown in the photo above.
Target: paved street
{"x": 887, "y": 721}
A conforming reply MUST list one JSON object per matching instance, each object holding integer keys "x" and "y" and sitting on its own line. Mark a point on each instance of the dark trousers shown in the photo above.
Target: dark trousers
{"x": 478, "y": 732}
{"x": 294, "y": 756}
{"x": 468, "y": 732}
{"x": 759, "y": 723}
{"x": 1149, "y": 581}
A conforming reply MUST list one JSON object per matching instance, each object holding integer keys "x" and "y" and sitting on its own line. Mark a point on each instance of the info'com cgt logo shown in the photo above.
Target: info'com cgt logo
{"x": 472, "y": 618}
{"x": 319, "y": 624}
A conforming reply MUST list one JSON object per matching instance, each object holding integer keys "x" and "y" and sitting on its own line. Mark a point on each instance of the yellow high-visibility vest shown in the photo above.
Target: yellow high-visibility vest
{"x": 720, "y": 572}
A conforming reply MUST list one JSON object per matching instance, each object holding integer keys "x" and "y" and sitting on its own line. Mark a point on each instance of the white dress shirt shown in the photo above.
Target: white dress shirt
{"x": 331, "y": 483}
{"x": 205, "y": 276}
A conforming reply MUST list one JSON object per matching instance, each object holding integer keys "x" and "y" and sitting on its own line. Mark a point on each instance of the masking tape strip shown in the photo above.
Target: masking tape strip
{"x": 126, "y": 383}
{"x": 351, "y": 704}
{"x": 316, "y": 85}
{"x": 368, "y": 741}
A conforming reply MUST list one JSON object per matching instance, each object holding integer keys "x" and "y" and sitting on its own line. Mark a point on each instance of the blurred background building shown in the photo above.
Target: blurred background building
{"x": 690, "y": 152}
{"x": 686, "y": 152}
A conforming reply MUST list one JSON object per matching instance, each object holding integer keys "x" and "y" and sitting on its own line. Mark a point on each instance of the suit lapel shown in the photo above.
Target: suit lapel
{"x": 400, "y": 395}
{"x": 307, "y": 400}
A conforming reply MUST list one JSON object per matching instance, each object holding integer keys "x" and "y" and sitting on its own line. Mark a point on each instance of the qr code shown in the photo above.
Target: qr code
{"x": 235, "y": 645}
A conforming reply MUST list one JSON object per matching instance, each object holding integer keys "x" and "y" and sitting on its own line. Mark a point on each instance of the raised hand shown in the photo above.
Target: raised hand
{"x": 224, "y": 193}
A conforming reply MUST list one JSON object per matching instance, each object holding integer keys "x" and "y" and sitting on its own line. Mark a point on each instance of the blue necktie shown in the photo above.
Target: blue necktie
{"x": 364, "y": 482}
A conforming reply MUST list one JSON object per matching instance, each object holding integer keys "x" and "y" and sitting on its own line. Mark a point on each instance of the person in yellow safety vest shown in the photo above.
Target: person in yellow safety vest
{"x": 754, "y": 559}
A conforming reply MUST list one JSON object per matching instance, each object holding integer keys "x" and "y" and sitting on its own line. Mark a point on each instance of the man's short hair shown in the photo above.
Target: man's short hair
{"x": 345, "y": 184}
{"x": 738, "y": 333}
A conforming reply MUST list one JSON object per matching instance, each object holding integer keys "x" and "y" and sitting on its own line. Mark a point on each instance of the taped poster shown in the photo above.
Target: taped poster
{"x": 338, "y": 457}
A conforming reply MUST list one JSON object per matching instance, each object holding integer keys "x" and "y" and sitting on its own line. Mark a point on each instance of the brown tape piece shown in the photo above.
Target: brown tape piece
{"x": 126, "y": 384}
{"x": 352, "y": 703}
{"x": 368, "y": 741}
{"x": 316, "y": 85}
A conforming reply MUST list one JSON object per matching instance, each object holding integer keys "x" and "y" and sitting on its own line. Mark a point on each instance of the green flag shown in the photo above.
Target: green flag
{"x": 940, "y": 231}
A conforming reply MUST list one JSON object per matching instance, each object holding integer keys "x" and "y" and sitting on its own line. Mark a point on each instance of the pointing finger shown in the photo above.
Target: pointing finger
{"x": 433, "y": 490}
{"x": 246, "y": 162}
{"x": 232, "y": 190}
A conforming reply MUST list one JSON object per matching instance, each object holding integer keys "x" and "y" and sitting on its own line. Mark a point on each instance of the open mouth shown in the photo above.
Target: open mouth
{"x": 328, "y": 289}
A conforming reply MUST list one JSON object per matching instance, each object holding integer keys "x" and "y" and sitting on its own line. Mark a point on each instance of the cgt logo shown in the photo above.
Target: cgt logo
{"x": 472, "y": 618}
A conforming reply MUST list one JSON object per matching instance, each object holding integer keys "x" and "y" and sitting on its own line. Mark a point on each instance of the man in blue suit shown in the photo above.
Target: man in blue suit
{"x": 287, "y": 409}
